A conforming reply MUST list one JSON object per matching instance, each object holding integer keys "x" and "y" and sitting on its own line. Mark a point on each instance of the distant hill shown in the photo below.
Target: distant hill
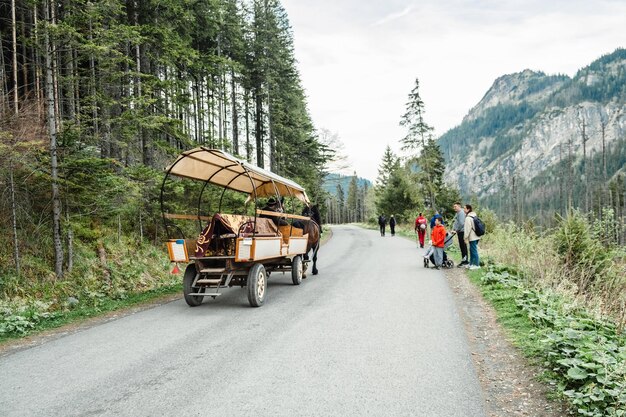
{"x": 528, "y": 133}
{"x": 332, "y": 180}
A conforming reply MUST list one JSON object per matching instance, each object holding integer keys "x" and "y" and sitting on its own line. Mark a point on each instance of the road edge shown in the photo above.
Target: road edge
{"x": 41, "y": 337}
{"x": 510, "y": 384}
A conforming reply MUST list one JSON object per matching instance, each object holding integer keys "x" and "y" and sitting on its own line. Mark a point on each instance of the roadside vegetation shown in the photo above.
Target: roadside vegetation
{"x": 562, "y": 298}
{"x": 107, "y": 94}
{"x": 123, "y": 274}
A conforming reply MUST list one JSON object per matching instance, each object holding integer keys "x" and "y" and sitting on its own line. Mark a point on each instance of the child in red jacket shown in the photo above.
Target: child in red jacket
{"x": 438, "y": 237}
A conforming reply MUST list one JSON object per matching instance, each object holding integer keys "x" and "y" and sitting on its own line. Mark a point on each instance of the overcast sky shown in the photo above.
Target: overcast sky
{"x": 358, "y": 59}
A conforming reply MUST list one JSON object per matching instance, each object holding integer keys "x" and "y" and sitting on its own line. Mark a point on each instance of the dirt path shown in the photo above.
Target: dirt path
{"x": 509, "y": 383}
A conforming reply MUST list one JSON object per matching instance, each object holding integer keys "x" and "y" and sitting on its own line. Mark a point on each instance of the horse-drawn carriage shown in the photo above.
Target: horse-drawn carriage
{"x": 238, "y": 249}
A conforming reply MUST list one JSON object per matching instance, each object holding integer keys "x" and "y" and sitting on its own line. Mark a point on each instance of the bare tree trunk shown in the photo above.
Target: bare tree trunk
{"x": 70, "y": 242}
{"x": 603, "y": 125}
{"x": 224, "y": 104}
{"x": 4, "y": 87}
{"x": 202, "y": 107}
{"x": 52, "y": 129}
{"x": 38, "y": 65}
{"x": 561, "y": 177}
{"x": 233, "y": 87}
{"x": 220, "y": 132}
{"x": 258, "y": 129}
{"x": 570, "y": 161}
{"x": 623, "y": 215}
{"x": 14, "y": 57}
{"x": 582, "y": 125}
{"x": 16, "y": 247}
{"x": 198, "y": 109}
{"x": 16, "y": 250}
{"x": 24, "y": 55}
{"x": 94, "y": 99}
{"x": 270, "y": 132}
{"x": 55, "y": 70}
{"x": 246, "y": 101}
{"x": 76, "y": 87}
{"x": 70, "y": 93}
{"x": 144, "y": 66}
{"x": 211, "y": 111}
{"x": 194, "y": 103}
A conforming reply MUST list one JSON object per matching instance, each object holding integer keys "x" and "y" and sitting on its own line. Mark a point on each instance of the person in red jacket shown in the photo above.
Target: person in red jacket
{"x": 438, "y": 237}
{"x": 420, "y": 228}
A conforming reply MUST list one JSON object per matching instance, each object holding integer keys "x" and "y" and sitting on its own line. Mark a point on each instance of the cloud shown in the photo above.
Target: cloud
{"x": 393, "y": 16}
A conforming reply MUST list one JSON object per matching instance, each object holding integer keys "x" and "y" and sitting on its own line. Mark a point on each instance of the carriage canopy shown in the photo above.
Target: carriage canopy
{"x": 220, "y": 168}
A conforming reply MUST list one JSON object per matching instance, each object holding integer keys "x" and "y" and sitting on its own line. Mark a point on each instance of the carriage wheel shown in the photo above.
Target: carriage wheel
{"x": 297, "y": 270}
{"x": 190, "y": 276}
{"x": 257, "y": 285}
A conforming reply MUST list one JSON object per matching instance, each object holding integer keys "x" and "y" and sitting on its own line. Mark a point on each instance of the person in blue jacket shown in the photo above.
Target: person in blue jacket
{"x": 436, "y": 216}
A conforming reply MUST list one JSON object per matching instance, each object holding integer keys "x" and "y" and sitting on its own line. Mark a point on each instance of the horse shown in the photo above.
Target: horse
{"x": 313, "y": 229}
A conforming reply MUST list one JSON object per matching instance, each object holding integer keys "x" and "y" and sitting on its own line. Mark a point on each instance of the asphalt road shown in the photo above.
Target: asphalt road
{"x": 374, "y": 334}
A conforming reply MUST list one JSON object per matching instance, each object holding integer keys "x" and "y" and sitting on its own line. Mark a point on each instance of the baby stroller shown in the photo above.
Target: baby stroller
{"x": 447, "y": 263}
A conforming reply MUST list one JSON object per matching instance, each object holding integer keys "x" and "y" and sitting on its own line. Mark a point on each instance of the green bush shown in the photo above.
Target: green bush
{"x": 35, "y": 298}
{"x": 584, "y": 356}
{"x": 579, "y": 251}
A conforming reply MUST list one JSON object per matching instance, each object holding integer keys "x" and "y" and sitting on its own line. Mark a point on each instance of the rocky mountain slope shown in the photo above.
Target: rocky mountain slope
{"x": 529, "y": 122}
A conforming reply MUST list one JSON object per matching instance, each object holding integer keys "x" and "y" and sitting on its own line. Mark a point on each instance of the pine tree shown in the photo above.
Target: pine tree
{"x": 129, "y": 84}
{"x": 341, "y": 206}
{"x": 413, "y": 120}
{"x": 352, "y": 199}
{"x": 431, "y": 170}
{"x": 388, "y": 164}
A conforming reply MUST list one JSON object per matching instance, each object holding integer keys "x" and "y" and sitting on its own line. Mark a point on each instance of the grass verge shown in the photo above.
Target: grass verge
{"x": 519, "y": 328}
{"x": 61, "y": 318}
{"x": 583, "y": 357}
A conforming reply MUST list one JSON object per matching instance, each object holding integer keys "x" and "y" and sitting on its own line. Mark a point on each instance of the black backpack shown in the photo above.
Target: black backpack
{"x": 479, "y": 226}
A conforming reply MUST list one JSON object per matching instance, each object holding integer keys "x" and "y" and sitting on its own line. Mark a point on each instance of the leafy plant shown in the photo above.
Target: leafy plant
{"x": 584, "y": 356}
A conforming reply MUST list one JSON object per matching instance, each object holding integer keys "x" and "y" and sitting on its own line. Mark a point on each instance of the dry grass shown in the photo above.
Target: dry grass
{"x": 539, "y": 263}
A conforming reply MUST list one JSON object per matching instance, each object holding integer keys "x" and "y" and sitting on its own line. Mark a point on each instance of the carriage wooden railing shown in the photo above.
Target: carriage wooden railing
{"x": 285, "y": 215}
{"x": 265, "y": 212}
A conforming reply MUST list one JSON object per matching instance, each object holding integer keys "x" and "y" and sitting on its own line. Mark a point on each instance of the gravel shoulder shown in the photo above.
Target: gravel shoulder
{"x": 510, "y": 384}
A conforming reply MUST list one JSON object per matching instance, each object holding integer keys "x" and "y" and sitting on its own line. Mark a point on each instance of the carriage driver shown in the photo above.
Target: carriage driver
{"x": 274, "y": 205}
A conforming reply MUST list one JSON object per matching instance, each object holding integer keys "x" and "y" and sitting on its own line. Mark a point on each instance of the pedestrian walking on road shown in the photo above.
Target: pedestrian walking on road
{"x": 471, "y": 237}
{"x": 382, "y": 222}
{"x": 438, "y": 236}
{"x": 458, "y": 228}
{"x": 392, "y": 225}
{"x": 420, "y": 229}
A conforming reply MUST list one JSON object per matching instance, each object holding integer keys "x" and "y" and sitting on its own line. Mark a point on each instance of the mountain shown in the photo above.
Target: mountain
{"x": 527, "y": 132}
{"x": 332, "y": 180}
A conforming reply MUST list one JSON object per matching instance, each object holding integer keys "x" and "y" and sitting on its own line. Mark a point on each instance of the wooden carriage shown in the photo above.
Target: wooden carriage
{"x": 233, "y": 249}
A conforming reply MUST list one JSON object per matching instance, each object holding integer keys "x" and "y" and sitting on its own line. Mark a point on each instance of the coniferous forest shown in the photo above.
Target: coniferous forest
{"x": 97, "y": 97}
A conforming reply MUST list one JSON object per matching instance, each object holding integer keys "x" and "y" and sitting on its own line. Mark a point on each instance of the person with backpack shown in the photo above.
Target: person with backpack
{"x": 392, "y": 225}
{"x": 474, "y": 228}
{"x": 382, "y": 222}
{"x": 458, "y": 228}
